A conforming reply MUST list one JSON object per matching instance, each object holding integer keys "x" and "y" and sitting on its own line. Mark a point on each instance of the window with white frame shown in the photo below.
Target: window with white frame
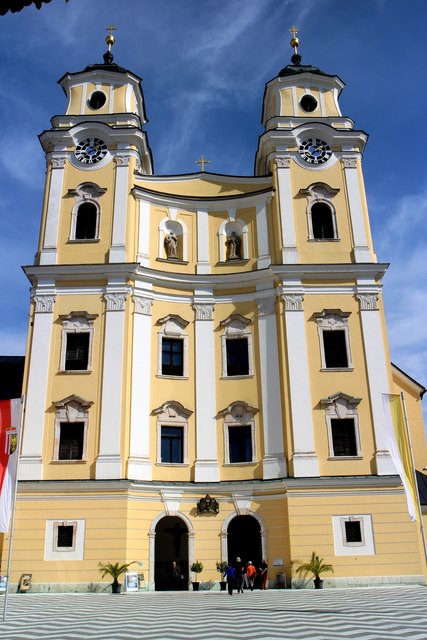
{"x": 71, "y": 428}
{"x": 77, "y": 339}
{"x": 236, "y": 343}
{"x": 172, "y": 433}
{"x": 85, "y": 217}
{"x": 321, "y": 214}
{"x": 64, "y": 540}
{"x": 332, "y": 325}
{"x": 239, "y": 433}
{"x": 172, "y": 347}
{"x": 353, "y": 535}
{"x": 342, "y": 422}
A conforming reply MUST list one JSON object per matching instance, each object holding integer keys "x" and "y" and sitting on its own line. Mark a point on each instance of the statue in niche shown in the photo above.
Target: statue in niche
{"x": 233, "y": 243}
{"x": 171, "y": 242}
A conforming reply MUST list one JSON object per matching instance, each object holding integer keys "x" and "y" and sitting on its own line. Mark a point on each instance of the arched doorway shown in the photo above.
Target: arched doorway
{"x": 244, "y": 540}
{"x": 171, "y": 544}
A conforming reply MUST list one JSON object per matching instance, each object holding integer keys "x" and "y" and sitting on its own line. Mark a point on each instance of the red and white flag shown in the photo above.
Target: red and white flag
{"x": 10, "y": 419}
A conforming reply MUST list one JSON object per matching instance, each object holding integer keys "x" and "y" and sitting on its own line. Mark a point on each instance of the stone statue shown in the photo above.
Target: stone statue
{"x": 171, "y": 242}
{"x": 233, "y": 243}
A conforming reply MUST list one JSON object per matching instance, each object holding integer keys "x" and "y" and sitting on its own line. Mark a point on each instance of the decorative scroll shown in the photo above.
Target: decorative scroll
{"x": 283, "y": 163}
{"x": 350, "y": 163}
{"x": 142, "y": 305}
{"x": 115, "y": 301}
{"x": 293, "y": 302}
{"x": 204, "y": 311}
{"x": 43, "y": 304}
{"x": 368, "y": 301}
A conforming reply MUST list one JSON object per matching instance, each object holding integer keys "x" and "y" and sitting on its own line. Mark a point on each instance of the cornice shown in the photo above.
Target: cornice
{"x": 67, "y": 121}
{"x": 287, "y": 486}
{"x": 192, "y": 202}
{"x": 361, "y": 270}
{"x": 205, "y": 176}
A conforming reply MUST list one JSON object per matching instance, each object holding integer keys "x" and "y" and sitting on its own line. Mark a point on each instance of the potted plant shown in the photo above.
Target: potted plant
{"x": 115, "y": 571}
{"x": 196, "y": 567}
{"x": 221, "y": 567}
{"x": 315, "y": 566}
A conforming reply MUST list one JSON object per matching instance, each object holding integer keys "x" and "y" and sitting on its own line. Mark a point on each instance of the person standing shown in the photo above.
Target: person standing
{"x": 176, "y": 576}
{"x": 251, "y": 573}
{"x": 230, "y": 576}
{"x": 238, "y": 565}
{"x": 263, "y": 568}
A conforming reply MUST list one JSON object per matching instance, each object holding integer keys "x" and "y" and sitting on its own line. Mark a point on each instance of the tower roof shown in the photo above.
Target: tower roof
{"x": 296, "y": 67}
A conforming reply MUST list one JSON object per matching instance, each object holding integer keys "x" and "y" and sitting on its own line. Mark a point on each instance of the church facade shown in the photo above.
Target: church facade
{"x": 207, "y": 353}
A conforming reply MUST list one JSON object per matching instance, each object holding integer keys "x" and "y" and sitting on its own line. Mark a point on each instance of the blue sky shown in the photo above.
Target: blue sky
{"x": 204, "y": 66}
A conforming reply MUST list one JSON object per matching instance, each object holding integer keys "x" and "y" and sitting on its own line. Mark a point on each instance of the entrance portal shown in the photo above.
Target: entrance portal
{"x": 171, "y": 544}
{"x": 244, "y": 540}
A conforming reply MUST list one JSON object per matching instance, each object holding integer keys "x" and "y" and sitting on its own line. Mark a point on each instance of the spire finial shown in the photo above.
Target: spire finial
{"x": 110, "y": 40}
{"x": 296, "y": 58}
{"x": 202, "y": 161}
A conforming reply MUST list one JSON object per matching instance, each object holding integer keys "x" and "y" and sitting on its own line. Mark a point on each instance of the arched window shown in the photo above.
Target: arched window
{"x": 86, "y": 221}
{"x": 322, "y": 221}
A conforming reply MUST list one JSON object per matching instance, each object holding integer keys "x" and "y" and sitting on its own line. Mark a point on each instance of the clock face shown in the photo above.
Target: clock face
{"x": 315, "y": 151}
{"x": 91, "y": 150}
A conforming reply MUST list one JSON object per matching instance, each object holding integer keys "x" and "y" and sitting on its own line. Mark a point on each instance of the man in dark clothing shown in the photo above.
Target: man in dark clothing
{"x": 239, "y": 575}
{"x": 230, "y": 576}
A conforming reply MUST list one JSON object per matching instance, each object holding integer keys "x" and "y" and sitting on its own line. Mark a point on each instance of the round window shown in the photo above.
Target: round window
{"x": 308, "y": 103}
{"x": 97, "y": 100}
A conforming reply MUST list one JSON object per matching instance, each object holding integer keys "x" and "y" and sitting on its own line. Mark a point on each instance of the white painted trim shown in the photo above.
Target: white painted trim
{"x": 304, "y": 456}
{"x": 264, "y": 259}
{"x": 152, "y": 543}
{"x": 342, "y": 547}
{"x": 108, "y": 463}
{"x": 274, "y": 463}
{"x": 48, "y": 253}
{"x": 203, "y": 263}
{"x": 287, "y": 216}
{"x": 206, "y": 465}
{"x": 143, "y": 256}
{"x": 360, "y": 239}
{"x": 377, "y": 369}
{"x": 69, "y": 413}
{"x": 51, "y": 551}
{"x": 30, "y": 467}
{"x": 139, "y": 463}
{"x": 117, "y": 251}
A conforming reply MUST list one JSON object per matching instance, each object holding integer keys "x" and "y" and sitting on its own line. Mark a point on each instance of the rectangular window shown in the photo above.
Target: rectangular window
{"x": 344, "y": 437}
{"x": 335, "y": 346}
{"x": 353, "y": 531}
{"x": 172, "y": 445}
{"x": 172, "y": 357}
{"x": 240, "y": 443}
{"x": 237, "y": 357}
{"x": 77, "y": 351}
{"x": 71, "y": 441}
{"x": 65, "y": 536}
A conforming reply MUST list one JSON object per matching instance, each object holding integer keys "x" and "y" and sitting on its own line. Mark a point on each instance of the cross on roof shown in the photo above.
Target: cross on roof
{"x": 202, "y": 161}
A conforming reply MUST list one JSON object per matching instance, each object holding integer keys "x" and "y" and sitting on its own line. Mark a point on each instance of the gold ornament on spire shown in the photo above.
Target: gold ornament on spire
{"x": 110, "y": 39}
{"x": 294, "y": 40}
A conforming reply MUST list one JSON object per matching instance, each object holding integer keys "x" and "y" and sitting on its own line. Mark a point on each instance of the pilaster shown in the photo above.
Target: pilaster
{"x": 48, "y": 254}
{"x": 144, "y": 233}
{"x": 274, "y": 463}
{"x": 139, "y": 463}
{"x": 30, "y": 467}
{"x": 203, "y": 264}
{"x": 304, "y": 456}
{"x": 108, "y": 463}
{"x": 206, "y": 466}
{"x": 118, "y": 244}
{"x": 287, "y": 216}
{"x": 376, "y": 365}
{"x": 361, "y": 250}
{"x": 264, "y": 260}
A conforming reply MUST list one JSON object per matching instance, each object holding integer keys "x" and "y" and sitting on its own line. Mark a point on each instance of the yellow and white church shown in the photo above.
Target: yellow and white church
{"x": 207, "y": 353}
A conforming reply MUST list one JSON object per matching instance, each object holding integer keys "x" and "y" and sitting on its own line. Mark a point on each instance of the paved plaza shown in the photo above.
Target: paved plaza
{"x": 361, "y": 614}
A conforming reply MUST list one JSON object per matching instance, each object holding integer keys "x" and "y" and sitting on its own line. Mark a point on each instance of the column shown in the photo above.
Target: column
{"x": 118, "y": 243}
{"x": 50, "y": 241}
{"x": 376, "y": 365}
{"x": 286, "y": 205}
{"x": 264, "y": 260}
{"x": 203, "y": 264}
{"x": 108, "y": 463}
{"x": 304, "y": 456}
{"x": 139, "y": 463}
{"x": 206, "y": 467}
{"x": 30, "y": 466}
{"x": 274, "y": 463}
{"x": 361, "y": 249}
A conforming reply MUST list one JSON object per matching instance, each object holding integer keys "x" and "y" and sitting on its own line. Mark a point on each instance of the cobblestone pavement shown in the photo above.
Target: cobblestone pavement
{"x": 396, "y": 613}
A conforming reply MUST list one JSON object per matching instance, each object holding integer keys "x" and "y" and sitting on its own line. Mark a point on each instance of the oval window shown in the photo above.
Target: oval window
{"x": 308, "y": 103}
